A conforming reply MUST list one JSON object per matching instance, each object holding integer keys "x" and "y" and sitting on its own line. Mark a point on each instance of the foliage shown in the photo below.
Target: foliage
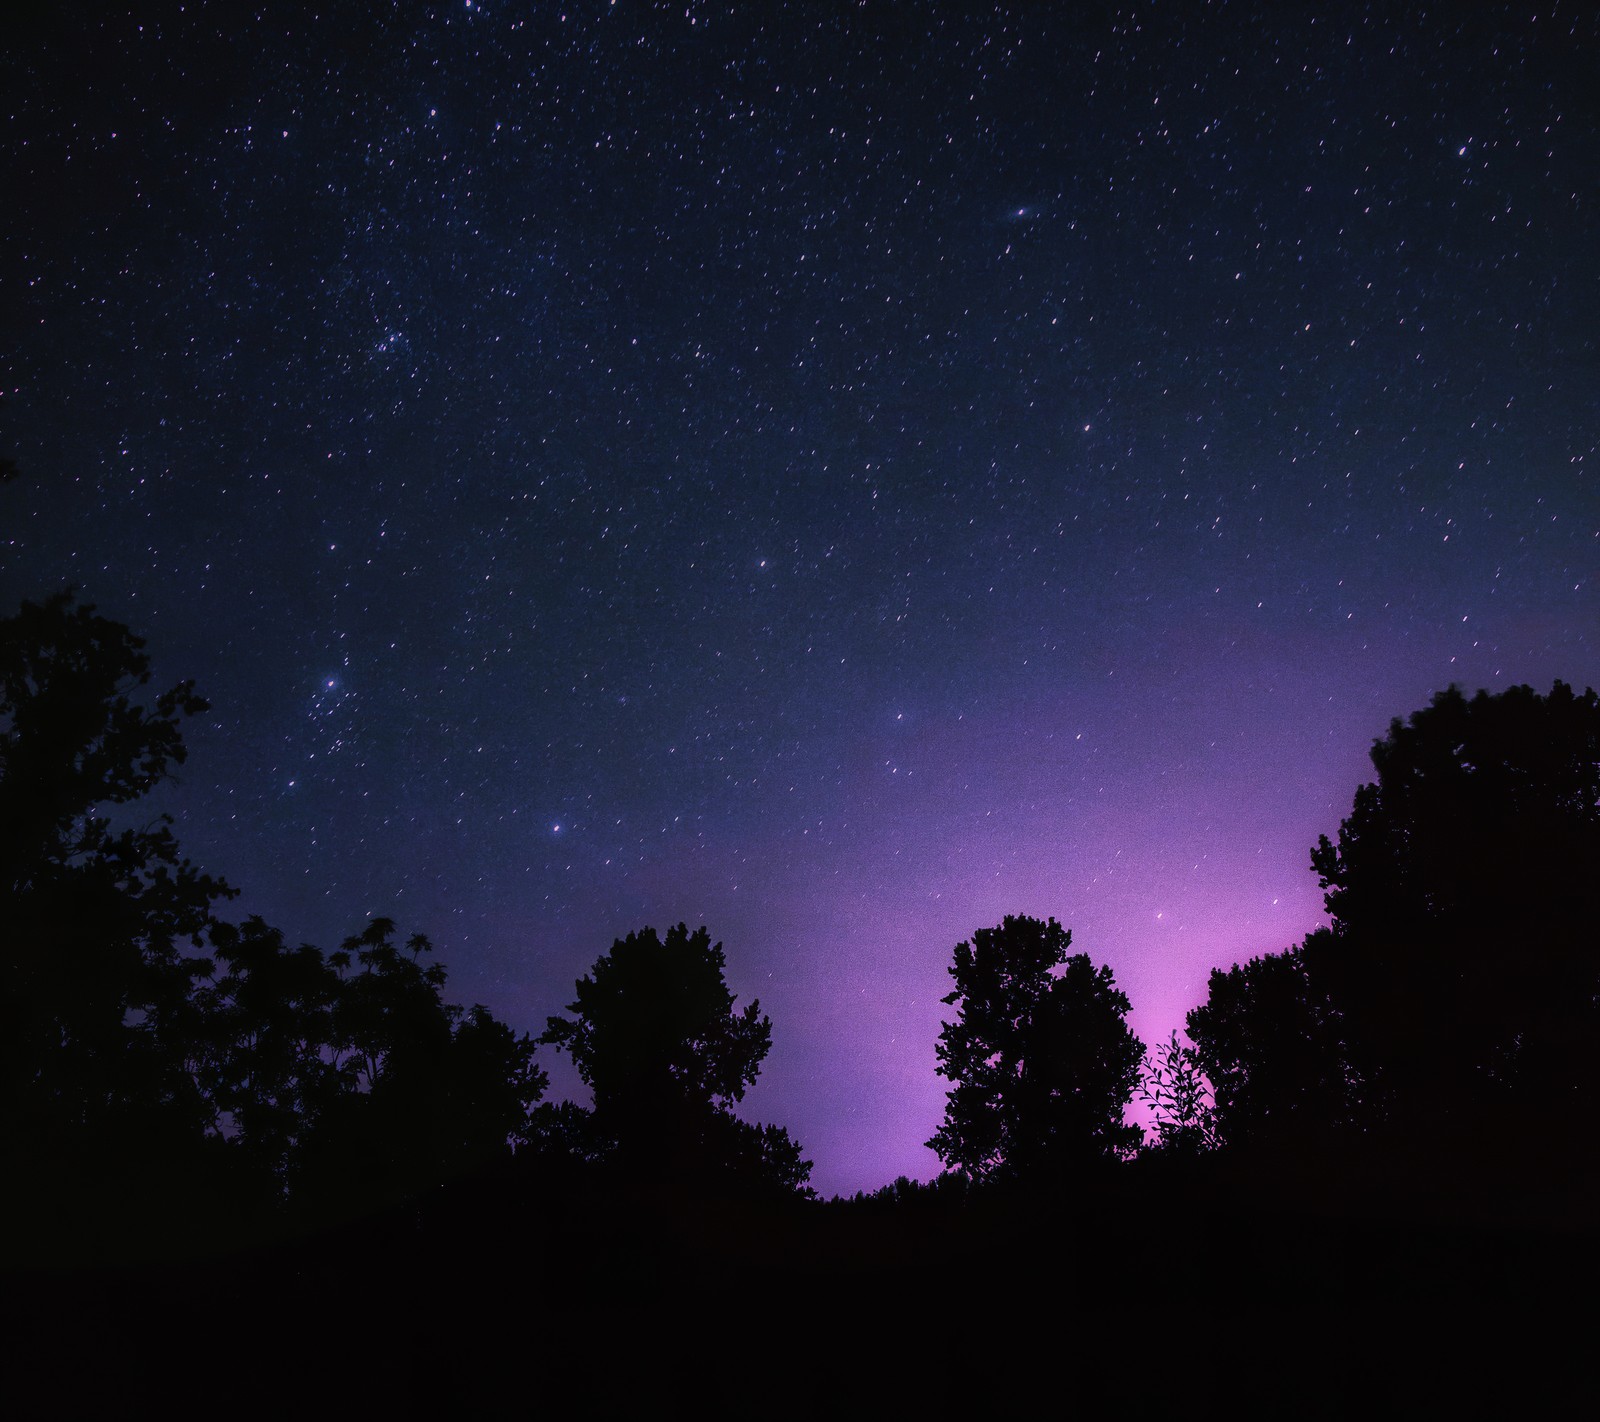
{"x": 1462, "y": 891}
{"x": 1487, "y": 809}
{"x": 99, "y": 925}
{"x": 349, "y": 1074}
{"x": 1460, "y": 969}
{"x": 566, "y": 1132}
{"x": 1180, "y": 1097}
{"x": 1268, "y": 1037}
{"x": 656, "y": 1038}
{"x": 444, "y": 1089}
{"x": 267, "y": 1061}
{"x": 949, "y": 1190}
{"x": 139, "y": 1033}
{"x": 1040, "y": 1054}
{"x": 130, "y": 1055}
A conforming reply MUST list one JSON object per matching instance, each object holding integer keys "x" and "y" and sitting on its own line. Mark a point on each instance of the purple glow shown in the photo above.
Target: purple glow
{"x": 1176, "y": 841}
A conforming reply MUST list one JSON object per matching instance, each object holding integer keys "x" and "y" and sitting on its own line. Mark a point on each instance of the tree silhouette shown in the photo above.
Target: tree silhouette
{"x": 1040, "y": 1054}
{"x": 1460, "y": 971}
{"x": 1181, "y": 1099}
{"x": 656, "y": 1038}
{"x": 128, "y": 1058}
{"x": 408, "y": 1090}
{"x": 1271, "y": 1041}
{"x": 98, "y": 924}
{"x": 269, "y": 1062}
{"x": 344, "y": 1080}
{"x": 1482, "y": 807}
{"x": 1462, "y": 891}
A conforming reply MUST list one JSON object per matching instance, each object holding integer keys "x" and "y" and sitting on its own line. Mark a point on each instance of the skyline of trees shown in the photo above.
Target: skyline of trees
{"x": 1460, "y": 972}
{"x": 145, "y": 1033}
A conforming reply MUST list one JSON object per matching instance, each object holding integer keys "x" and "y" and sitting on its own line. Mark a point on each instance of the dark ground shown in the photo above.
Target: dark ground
{"x": 1290, "y": 1286}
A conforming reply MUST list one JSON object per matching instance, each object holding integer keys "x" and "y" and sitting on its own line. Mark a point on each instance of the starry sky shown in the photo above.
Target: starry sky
{"x": 835, "y": 473}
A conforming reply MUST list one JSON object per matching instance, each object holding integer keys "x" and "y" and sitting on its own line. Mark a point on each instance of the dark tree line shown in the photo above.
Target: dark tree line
{"x": 1459, "y": 977}
{"x": 146, "y": 1040}
{"x": 347, "y": 1074}
{"x": 143, "y": 1035}
{"x": 1456, "y": 988}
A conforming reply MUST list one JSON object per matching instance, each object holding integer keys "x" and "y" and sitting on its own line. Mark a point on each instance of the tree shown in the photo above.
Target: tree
{"x": 98, "y": 924}
{"x": 1460, "y": 972}
{"x": 1181, "y": 1099}
{"x": 269, "y": 1062}
{"x": 657, "y": 1040}
{"x": 448, "y": 1088}
{"x": 1487, "y": 809}
{"x": 390, "y": 1089}
{"x": 143, "y": 1083}
{"x": 1269, "y": 1037}
{"x": 1462, "y": 897}
{"x": 1040, "y": 1054}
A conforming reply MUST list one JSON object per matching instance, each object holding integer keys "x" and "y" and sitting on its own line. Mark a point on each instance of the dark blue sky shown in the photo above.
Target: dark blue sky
{"x": 840, "y": 475}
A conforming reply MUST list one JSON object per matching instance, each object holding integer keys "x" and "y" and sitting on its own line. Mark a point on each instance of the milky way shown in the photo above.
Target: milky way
{"x": 835, "y": 475}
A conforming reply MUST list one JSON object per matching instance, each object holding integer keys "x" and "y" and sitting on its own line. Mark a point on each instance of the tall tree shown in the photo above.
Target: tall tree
{"x": 1040, "y": 1054}
{"x": 1462, "y": 892}
{"x": 101, "y": 925}
{"x": 1460, "y": 971}
{"x": 656, "y": 1037}
{"x": 129, "y": 1057}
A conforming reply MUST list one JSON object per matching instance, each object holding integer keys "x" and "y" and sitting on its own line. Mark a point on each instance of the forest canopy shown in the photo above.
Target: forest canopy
{"x": 148, "y": 1037}
{"x": 1460, "y": 969}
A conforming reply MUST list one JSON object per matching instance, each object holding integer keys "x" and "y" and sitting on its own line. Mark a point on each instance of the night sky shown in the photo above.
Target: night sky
{"x": 837, "y": 474}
